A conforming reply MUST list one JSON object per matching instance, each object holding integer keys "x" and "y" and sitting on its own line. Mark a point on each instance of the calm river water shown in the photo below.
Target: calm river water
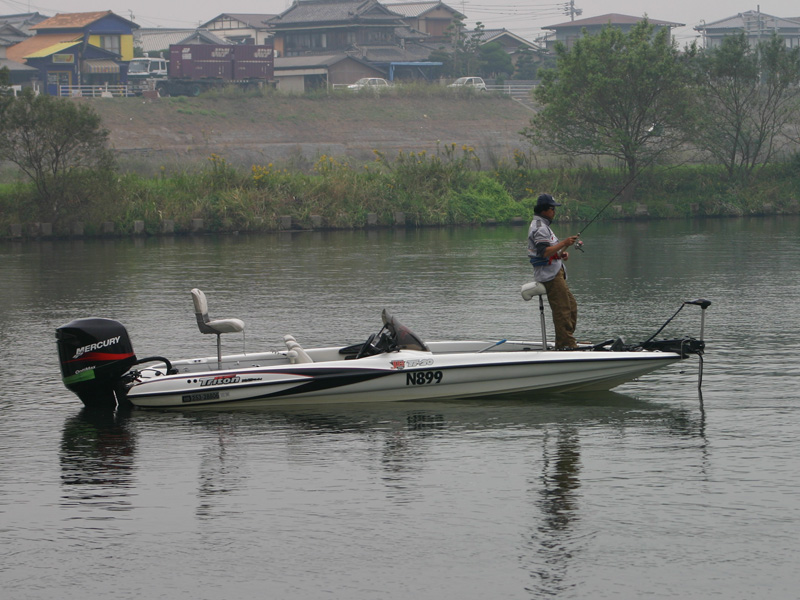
{"x": 647, "y": 491}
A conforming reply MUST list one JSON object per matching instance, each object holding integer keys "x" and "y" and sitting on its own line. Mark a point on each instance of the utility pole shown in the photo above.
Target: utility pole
{"x": 570, "y": 9}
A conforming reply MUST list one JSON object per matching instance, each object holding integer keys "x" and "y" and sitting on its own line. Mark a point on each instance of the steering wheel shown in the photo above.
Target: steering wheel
{"x": 367, "y": 348}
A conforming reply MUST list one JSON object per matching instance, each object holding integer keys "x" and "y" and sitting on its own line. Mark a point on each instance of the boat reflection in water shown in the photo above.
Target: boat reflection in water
{"x": 98, "y": 453}
{"x": 278, "y": 471}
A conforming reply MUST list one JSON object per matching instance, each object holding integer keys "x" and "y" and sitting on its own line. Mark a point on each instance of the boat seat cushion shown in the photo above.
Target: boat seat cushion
{"x": 296, "y": 352}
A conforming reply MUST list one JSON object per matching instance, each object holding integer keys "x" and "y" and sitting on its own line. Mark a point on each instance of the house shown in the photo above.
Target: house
{"x": 511, "y": 43}
{"x": 756, "y": 25}
{"x": 23, "y": 21}
{"x": 13, "y": 30}
{"x": 240, "y": 28}
{"x": 430, "y": 18}
{"x": 331, "y": 26}
{"x": 74, "y": 49}
{"x": 365, "y": 30}
{"x": 566, "y": 33}
{"x": 319, "y": 71}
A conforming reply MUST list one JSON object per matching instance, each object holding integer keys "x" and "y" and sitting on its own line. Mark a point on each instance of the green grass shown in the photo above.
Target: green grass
{"x": 444, "y": 188}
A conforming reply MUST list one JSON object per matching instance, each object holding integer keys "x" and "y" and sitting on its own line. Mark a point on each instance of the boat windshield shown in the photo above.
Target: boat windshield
{"x": 404, "y": 337}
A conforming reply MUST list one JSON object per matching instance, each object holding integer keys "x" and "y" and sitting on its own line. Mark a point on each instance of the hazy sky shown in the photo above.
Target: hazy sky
{"x": 525, "y": 18}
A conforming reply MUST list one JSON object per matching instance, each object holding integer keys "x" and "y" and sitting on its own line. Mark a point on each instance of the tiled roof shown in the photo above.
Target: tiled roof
{"x": 386, "y": 54}
{"x": 488, "y": 35}
{"x": 256, "y": 21}
{"x": 71, "y": 20}
{"x": 319, "y": 60}
{"x": 38, "y": 42}
{"x": 13, "y": 65}
{"x": 203, "y": 36}
{"x": 613, "y": 18}
{"x": 10, "y": 35}
{"x": 155, "y": 39}
{"x": 415, "y": 9}
{"x": 23, "y": 21}
{"x": 336, "y": 11}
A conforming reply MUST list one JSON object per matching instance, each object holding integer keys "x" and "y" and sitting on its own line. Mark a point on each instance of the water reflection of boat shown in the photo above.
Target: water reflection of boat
{"x": 394, "y": 364}
{"x": 97, "y": 459}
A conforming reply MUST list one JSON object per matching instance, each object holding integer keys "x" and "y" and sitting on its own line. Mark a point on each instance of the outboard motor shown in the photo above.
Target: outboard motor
{"x": 94, "y": 354}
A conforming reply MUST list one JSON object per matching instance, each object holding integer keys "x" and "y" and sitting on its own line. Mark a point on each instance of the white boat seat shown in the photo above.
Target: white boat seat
{"x": 534, "y": 288}
{"x": 296, "y": 353}
{"x": 529, "y": 292}
{"x": 213, "y": 326}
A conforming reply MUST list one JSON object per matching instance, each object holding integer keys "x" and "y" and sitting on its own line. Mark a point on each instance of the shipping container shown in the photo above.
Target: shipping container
{"x": 196, "y": 67}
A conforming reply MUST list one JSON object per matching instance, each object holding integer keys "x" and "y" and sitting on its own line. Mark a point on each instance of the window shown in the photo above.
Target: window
{"x": 306, "y": 41}
{"x": 110, "y": 43}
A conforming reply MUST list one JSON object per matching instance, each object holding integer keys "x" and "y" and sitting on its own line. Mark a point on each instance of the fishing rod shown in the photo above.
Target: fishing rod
{"x": 579, "y": 243}
{"x": 614, "y": 197}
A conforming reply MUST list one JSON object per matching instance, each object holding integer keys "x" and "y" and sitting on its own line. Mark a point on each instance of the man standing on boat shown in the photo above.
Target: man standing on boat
{"x": 547, "y": 255}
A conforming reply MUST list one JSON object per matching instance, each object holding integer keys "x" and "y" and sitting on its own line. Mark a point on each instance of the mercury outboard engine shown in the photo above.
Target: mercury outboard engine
{"x": 94, "y": 354}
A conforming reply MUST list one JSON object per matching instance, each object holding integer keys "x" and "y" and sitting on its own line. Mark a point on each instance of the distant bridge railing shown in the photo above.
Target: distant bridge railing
{"x": 95, "y": 91}
{"x": 512, "y": 89}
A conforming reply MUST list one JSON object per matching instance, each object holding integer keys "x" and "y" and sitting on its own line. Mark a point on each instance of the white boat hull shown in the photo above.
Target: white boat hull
{"x": 99, "y": 365}
{"x": 395, "y": 376}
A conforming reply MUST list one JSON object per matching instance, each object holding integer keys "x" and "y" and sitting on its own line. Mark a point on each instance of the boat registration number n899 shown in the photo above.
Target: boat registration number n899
{"x": 424, "y": 377}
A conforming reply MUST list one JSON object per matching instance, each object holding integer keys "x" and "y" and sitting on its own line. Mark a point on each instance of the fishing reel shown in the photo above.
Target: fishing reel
{"x": 578, "y": 245}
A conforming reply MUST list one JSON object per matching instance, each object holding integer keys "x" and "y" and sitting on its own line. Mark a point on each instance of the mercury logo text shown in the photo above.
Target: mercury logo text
{"x": 96, "y": 346}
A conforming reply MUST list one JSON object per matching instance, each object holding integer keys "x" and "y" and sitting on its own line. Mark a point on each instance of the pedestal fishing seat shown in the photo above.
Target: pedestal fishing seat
{"x": 215, "y": 326}
{"x": 531, "y": 290}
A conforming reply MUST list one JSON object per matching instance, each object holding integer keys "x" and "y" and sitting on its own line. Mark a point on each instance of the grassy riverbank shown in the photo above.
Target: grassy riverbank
{"x": 349, "y": 161}
{"x": 438, "y": 189}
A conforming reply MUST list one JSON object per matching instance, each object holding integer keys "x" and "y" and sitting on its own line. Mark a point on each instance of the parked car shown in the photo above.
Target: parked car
{"x": 472, "y": 82}
{"x": 373, "y": 83}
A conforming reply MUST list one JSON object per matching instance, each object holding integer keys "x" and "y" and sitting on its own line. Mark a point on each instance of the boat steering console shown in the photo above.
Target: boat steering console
{"x": 393, "y": 336}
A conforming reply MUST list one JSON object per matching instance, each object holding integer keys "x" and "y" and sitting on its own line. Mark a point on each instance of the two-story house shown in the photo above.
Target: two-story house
{"x": 74, "y": 49}
{"x": 567, "y": 33}
{"x": 330, "y": 26}
{"x": 431, "y": 18}
{"x": 756, "y": 26}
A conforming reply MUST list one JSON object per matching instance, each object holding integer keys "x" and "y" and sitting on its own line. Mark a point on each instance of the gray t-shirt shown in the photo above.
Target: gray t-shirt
{"x": 540, "y": 236}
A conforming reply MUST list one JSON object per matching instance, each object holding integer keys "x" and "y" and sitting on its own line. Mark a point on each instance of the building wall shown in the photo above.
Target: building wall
{"x": 125, "y": 44}
{"x": 350, "y": 71}
{"x": 293, "y": 83}
{"x": 791, "y": 39}
{"x": 235, "y": 31}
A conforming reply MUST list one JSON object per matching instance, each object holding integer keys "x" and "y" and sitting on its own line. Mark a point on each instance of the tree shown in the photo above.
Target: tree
{"x": 463, "y": 55}
{"x": 526, "y": 65}
{"x": 613, "y": 94}
{"x": 5, "y": 80}
{"x": 494, "y": 60}
{"x": 56, "y": 143}
{"x": 746, "y": 98}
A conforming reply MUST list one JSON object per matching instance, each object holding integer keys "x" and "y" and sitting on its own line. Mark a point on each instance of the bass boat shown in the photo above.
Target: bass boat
{"x": 99, "y": 365}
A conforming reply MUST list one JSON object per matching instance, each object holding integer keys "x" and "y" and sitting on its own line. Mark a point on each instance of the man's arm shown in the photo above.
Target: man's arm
{"x": 556, "y": 248}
